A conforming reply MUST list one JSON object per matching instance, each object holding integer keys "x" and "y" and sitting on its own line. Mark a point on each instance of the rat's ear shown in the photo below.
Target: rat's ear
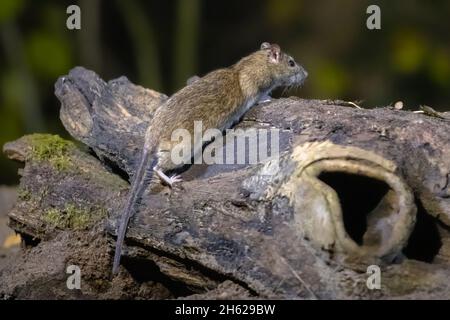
{"x": 275, "y": 53}
{"x": 265, "y": 46}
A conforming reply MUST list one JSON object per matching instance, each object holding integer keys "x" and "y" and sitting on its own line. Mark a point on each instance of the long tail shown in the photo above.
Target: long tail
{"x": 133, "y": 195}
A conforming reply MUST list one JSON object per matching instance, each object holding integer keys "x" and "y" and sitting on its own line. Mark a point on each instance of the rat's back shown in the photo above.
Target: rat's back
{"x": 209, "y": 99}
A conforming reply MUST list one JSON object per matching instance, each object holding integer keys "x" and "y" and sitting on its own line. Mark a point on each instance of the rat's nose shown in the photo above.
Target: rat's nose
{"x": 305, "y": 73}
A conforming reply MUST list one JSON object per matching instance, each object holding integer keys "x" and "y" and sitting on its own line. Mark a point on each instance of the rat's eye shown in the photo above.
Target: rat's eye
{"x": 291, "y": 63}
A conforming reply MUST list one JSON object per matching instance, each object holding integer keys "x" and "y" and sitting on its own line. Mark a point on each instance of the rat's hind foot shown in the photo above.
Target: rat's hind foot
{"x": 168, "y": 180}
{"x": 176, "y": 178}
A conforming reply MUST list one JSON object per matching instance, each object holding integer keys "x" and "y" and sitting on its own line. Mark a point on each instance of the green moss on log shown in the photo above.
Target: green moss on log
{"x": 51, "y": 148}
{"x": 73, "y": 217}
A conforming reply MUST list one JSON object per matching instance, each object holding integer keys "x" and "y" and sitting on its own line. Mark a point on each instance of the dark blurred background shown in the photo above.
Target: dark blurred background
{"x": 159, "y": 44}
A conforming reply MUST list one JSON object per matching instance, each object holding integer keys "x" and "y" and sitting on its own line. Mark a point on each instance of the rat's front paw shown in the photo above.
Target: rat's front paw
{"x": 264, "y": 99}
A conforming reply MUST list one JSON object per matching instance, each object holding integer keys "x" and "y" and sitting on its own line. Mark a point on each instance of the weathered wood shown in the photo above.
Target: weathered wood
{"x": 109, "y": 117}
{"x": 231, "y": 222}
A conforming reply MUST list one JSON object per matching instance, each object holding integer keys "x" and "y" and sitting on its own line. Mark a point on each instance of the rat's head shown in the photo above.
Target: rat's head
{"x": 268, "y": 68}
{"x": 284, "y": 70}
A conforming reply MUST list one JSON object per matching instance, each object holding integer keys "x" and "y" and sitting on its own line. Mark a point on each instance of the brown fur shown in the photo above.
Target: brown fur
{"x": 218, "y": 100}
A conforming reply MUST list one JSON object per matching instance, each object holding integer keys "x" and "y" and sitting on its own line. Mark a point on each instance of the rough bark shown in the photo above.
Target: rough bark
{"x": 300, "y": 229}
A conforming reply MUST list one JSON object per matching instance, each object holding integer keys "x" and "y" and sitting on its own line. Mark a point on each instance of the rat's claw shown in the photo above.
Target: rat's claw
{"x": 168, "y": 180}
{"x": 174, "y": 179}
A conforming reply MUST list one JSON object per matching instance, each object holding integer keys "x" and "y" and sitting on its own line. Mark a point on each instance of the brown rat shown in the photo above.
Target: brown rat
{"x": 218, "y": 100}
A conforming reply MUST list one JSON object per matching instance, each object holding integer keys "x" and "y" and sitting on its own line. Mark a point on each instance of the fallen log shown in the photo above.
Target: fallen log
{"x": 352, "y": 188}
